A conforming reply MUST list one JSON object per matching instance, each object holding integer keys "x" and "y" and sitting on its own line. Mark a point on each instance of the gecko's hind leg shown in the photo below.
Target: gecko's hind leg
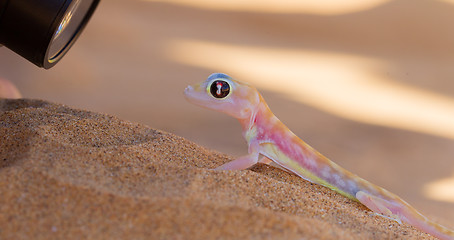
{"x": 379, "y": 206}
{"x": 398, "y": 210}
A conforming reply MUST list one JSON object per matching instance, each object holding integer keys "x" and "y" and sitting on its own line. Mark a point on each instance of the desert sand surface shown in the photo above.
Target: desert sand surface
{"x": 72, "y": 174}
{"x": 369, "y": 85}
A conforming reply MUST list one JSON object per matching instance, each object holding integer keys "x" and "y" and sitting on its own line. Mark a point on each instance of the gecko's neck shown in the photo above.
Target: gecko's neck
{"x": 250, "y": 123}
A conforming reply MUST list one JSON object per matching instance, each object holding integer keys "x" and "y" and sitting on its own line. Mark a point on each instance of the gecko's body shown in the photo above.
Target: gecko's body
{"x": 269, "y": 137}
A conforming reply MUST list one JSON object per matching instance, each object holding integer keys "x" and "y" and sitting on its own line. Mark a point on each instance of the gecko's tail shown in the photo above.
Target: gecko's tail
{"x": 398, "y": 209}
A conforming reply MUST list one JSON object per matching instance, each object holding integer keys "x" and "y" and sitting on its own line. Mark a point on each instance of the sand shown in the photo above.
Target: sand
{"x": 73, "y": 174}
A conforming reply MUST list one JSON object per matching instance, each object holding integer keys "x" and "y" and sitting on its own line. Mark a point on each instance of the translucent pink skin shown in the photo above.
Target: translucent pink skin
{"x": 269, "y": 137}
{"x": 8, "y": 90}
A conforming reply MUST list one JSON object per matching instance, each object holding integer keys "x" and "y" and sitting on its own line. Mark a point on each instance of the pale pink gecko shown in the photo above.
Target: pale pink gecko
{"x": 266, "y": 135}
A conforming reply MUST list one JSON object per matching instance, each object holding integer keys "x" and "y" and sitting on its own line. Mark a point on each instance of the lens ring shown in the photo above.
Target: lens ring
{"x": 66, "y": 31}
{"x": 67, "y": 18}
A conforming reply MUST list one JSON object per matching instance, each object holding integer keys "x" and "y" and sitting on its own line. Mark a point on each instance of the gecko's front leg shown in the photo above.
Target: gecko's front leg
{"x": 242, "y": 162}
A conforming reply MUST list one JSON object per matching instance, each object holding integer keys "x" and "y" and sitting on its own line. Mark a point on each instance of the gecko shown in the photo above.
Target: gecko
{"x": 268, "y": 137}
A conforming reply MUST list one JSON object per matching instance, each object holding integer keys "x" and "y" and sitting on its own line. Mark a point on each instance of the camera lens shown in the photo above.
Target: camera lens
{"x": 42, "y": 31}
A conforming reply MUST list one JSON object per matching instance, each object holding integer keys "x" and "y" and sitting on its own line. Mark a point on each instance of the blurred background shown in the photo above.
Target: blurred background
{"x": 367, "y": 83}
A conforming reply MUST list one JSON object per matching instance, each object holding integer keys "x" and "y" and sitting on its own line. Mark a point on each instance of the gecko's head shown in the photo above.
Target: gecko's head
{"x": 222, "y": 93}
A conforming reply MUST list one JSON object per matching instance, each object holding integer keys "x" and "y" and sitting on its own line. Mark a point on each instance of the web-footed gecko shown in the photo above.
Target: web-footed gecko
{"x": 266, "y": 135}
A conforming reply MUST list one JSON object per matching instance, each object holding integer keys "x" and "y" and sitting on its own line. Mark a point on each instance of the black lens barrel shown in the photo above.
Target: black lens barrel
{"x": 27, "y": 26}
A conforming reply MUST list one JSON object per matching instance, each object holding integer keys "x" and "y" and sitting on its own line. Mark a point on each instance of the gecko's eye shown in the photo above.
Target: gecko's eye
{"x": 220, "y": 89}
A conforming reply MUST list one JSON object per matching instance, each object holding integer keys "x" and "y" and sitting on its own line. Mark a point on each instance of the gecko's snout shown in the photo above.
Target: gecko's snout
{"x": 188, "y": 89}
{"x": 190, "y": 93}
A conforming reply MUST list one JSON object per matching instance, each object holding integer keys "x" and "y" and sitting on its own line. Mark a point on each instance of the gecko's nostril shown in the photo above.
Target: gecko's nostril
{"x": 188, "y": 89}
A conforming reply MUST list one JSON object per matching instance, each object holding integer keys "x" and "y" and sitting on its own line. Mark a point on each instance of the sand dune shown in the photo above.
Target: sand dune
{"x": 71, "y": 174}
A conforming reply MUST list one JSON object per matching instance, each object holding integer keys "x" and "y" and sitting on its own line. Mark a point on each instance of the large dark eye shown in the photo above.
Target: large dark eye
{"x": 220, "y": 89}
